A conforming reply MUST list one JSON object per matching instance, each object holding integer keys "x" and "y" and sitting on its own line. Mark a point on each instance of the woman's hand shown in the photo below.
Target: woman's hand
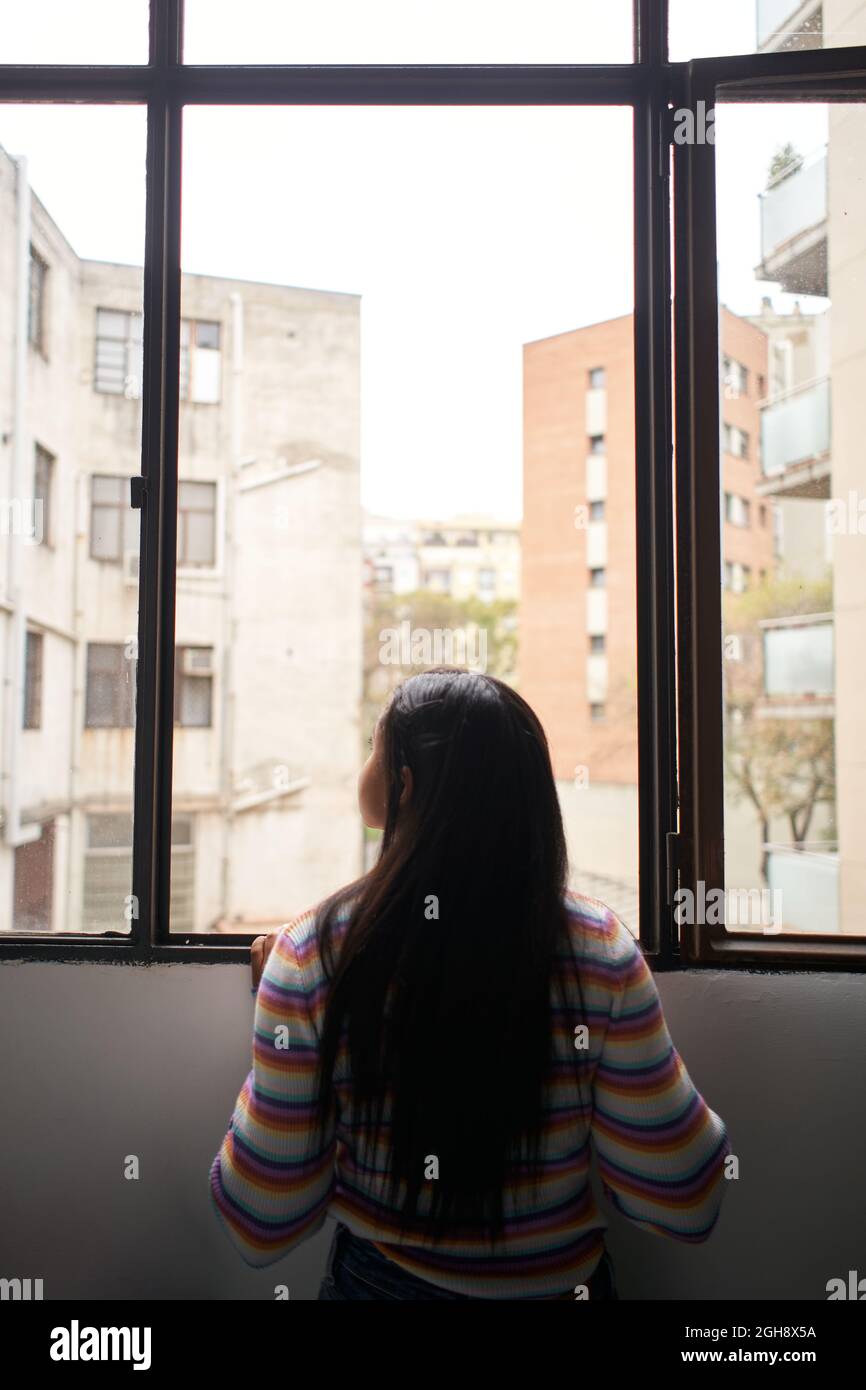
{"x": 259, "y": 952}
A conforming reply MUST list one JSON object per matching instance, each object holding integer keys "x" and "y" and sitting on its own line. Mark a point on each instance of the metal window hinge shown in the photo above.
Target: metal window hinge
{"x": 137, "y": 491}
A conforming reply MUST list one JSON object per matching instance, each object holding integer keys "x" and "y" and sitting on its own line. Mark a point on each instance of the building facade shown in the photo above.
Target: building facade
{"x": 268, "y": 630}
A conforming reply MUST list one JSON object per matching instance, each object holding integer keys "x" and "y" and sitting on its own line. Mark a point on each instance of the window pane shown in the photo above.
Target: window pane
{"x": 760, "y": 26}
{"x": 408, "y": 31}
{"x": 391, "y": 414}
{"x": 792, "y": 268}
{"x": 76, "y": 31}
{"x": 68, "y": 644}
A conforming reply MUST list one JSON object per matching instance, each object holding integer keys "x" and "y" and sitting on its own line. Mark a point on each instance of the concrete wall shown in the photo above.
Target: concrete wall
{"x": 110, "y": 1061}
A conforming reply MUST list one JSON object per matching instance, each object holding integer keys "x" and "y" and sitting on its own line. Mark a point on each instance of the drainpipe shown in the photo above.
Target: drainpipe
{"x": 229, "y": 628}
{"x": 15, "y": 833}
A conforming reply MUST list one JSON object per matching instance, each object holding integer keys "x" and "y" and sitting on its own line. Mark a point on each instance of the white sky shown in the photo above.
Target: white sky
{"x": 467, "y": 231}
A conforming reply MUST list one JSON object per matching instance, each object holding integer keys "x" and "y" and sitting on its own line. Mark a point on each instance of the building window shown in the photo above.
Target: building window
{"x": 597, "y": 578}
{"x": 33, "y": 681}
{"x": 737, "y": 510}
{"x": 737, "y": 576}
{"x": 43, "y": 478}
{"x": 200, "y": 361}
{"x": 113, "y": 524}
{"x": 596, "y": 712}
{"x": 596, "y": 511}
{"x": 118, "y": 361}
{"x": 193, "y": 687}
{"x": 762, "y": 514}
{"x": 736, "y": 378}
{"x": 196, "y": 524}
{"x": 108, "y": 872}
{"x": 596, "y": 443}
{"x": 110, "y": 695}
{"x": 439, "y": 581}
{"x": 597, "y": 377}
{"x": 38, "y": 284}
{"x": 487, "y": 584}
{"x": 761, "y": 387}
{"x": 735, "y": 441}
{"x": 597, "y": 643}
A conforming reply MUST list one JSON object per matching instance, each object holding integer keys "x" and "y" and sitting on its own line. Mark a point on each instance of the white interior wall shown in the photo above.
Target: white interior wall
{"x": 99, "y": 1062}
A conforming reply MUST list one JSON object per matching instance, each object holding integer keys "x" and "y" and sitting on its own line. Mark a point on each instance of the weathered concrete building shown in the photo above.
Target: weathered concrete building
{"x": 268, "y": 633}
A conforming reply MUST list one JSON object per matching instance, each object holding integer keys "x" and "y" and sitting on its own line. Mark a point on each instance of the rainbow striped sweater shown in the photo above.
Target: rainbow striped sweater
{"x": 660, "y": 1151}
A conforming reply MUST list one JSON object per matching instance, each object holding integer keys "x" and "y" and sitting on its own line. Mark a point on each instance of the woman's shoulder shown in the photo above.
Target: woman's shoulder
{"x": 301, "y": 933}
{"x": 597, "y": 934}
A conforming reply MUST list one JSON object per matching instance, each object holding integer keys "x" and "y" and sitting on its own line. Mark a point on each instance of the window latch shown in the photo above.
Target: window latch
{"x": 137, "y": 492}
{"x": 673, "y": 847}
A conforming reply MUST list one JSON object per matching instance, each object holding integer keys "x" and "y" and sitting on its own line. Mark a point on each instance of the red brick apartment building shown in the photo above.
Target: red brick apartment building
{"x": 577, "y": 611}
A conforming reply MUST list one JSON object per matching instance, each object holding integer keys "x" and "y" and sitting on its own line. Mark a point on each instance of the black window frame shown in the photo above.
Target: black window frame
{"x": 679, "y": 746}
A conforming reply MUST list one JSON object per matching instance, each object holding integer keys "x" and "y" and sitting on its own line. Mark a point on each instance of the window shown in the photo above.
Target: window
{"x": 114, "y": 526}
{"x": 438, "y": 580}
{"x": 737, "y": 510}
{"x": 33, "y": 680}
{"x": 297, "y": 445}
{"x": 196, "y": 524}
{"x": 735, "y": 441}
{"x": 200, "y": 361}
{"x": 736, "y": 378}
{"x": 110, "y": 694}
{"x": 597, "y": 712}
{"x": 36, "y": 326}
{"x": 193, "y": 687}
{"x": 117, "y": 369}
{"x": 43, "y": 478}
{"x": 108, "y": 870}
{"x": 487, "y": 583}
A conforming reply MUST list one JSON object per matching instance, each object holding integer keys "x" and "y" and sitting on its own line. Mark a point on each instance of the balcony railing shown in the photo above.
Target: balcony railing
{"x": 796, "y": 428}
{"x": 772, "y": 15}
{"x": 798, "y": 657}
{"x": 793, "y": 228}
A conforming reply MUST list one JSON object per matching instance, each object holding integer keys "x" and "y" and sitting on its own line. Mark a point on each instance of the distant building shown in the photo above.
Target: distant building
{"x": 466, "y": 557}
{"x": 268, "y": 635}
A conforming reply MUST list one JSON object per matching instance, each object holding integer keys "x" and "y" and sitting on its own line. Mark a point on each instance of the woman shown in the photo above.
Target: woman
{"x": 440, "y": 1045}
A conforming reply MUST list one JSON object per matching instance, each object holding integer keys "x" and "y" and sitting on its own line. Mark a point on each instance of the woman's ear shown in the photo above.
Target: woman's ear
{"x": 408, "y": 785}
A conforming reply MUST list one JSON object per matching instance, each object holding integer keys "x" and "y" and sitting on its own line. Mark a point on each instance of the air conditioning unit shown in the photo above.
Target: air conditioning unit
{"x": 130, "y": 568}
{"x": 198, "y": 661}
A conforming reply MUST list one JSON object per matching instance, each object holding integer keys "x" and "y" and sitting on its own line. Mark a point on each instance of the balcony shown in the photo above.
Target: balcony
{"x": 806, "y": 879}
{"x": 786, "y": 24}
{"x": 799, "y": 678}
{"x": 795, "y": 443}
{"x": 794, "y": 229}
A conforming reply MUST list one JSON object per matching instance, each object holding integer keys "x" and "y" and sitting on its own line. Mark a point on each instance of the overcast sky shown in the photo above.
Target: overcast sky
{"x": 467, "y": 231}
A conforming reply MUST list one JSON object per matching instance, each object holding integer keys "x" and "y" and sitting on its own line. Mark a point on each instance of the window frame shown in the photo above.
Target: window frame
{"x": 676, "y": 752}
{"x": 698, "y": 848}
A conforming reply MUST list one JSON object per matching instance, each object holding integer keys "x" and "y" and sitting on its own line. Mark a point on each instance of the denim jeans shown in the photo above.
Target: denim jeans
{"x": 357, "y": 1270}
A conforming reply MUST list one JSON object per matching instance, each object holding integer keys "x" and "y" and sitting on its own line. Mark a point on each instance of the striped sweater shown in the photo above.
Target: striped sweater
{"x": 659, "y": 1149}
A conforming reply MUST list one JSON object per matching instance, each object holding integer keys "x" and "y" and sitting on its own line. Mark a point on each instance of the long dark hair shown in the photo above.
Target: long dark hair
{"x": 443, "y": 980}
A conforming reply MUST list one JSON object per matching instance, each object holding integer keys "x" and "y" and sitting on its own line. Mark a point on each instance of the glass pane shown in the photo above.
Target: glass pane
{"x": 71, "y": 202}
{"x": 792, "y": 280}
{"x": 76, "y": 31}
{"x": 408, "y": 31}
{"x": 416, "y": 421}
{"x": 761, "y": 26}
